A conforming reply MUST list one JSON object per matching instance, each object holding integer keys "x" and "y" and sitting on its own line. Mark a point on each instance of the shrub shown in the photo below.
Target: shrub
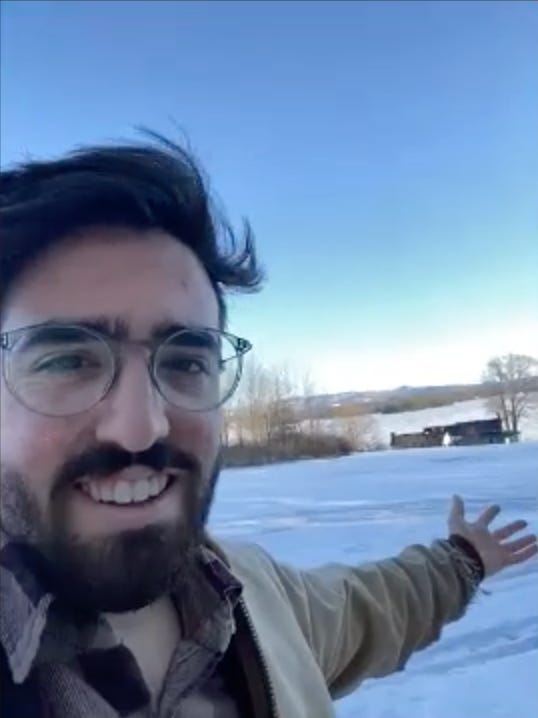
{"x": 287, "y": 446}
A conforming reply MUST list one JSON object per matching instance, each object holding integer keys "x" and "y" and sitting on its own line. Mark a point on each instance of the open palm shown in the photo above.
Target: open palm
{"x": 495, "y": 550}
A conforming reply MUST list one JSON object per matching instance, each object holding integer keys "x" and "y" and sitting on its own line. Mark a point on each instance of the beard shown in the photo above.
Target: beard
{"x": 118, "y": 572}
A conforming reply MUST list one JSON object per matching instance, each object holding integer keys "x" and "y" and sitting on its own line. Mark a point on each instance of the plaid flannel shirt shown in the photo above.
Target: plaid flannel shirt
{"x": 83, "y": 671}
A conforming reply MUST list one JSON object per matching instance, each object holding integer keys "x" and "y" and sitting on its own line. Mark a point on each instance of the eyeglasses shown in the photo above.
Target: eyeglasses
{"x": 59, "y": 370}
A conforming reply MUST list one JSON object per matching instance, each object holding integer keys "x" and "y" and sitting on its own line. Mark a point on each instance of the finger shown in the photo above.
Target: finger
{"x": 509, "y": 530}
{"x": 524, "y": 555}
{"x": 487, "y": 516}
{"x": 519, "y": 544}
{"x": 457, "y": 510}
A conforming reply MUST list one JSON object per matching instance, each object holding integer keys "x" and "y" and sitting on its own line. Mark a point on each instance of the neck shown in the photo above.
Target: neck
{"x": 152, "y": 635}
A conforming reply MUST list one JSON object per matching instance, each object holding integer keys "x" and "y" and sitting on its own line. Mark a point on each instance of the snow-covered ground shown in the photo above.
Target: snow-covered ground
{"x": 370, "y": 506}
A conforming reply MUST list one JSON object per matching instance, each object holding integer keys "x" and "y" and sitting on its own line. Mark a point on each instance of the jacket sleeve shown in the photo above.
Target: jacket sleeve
{"x": 365, "y": 622}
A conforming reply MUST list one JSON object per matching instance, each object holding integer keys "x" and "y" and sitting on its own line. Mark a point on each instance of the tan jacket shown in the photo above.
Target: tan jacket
{"x": 307, "y": 637}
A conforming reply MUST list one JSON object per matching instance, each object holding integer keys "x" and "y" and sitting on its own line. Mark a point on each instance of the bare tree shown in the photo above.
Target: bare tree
{"x": 251, "y": 413}
{"x": 272, "y": 417}
{"x": 512, "y": 379}
{"x": 307, "y": 390}
{"x": 262, "y": 407}
{"x": 362, "y": 431}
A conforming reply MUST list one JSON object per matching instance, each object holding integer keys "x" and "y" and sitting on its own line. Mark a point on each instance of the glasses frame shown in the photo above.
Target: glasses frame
{"x": 9, "y": 339}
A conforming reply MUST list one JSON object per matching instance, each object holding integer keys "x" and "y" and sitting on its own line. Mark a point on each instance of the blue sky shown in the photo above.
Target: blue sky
{"x": 386, "y": 154}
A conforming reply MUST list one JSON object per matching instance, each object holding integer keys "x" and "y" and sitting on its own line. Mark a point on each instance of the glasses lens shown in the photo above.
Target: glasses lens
{"x": 59, "y": 370}
{"x": 197, "y": 369}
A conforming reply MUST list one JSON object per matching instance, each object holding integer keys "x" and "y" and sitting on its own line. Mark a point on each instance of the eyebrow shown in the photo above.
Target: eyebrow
{"x": 117, "y": 328}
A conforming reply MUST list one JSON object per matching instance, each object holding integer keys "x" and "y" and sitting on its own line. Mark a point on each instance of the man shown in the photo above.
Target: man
{"x": 116, "y": 363}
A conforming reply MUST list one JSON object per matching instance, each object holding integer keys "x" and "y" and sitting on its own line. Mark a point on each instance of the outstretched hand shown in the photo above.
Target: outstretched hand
{"x": 495, "y": 551}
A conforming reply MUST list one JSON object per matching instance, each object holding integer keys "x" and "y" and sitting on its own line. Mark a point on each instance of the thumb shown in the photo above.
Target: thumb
{"x": 457, "y": 511}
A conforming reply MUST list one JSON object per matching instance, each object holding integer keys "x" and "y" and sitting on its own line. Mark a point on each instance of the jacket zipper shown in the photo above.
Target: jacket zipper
{"x": 263, "y": 663}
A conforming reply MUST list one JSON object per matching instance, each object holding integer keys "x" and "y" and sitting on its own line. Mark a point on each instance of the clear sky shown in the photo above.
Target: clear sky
{"x": 386, "y": 154}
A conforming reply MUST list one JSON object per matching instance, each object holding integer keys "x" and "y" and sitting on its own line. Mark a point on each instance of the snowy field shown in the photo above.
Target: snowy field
{"x": 370, "y": 506}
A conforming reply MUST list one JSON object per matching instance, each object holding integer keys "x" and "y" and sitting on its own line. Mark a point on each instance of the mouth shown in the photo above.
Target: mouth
{"x": 128, "y": 500}
{"x": 125, "y": 491}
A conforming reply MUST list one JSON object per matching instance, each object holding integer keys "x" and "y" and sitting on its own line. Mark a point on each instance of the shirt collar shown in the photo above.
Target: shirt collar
{"x": 25, "y": 606}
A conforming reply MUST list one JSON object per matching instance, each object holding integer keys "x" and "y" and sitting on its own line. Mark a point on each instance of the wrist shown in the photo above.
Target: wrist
{"x": 471, "y": 553}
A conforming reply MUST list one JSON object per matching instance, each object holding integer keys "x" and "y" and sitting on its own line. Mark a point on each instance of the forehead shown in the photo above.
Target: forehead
{"x": 144, "y": 278}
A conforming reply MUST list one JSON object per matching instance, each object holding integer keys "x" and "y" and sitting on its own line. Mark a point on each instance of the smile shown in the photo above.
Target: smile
{"x": 123, "y": 492}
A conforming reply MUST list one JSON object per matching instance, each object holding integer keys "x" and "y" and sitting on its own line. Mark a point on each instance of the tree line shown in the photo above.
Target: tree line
{"x": 271, "y": 419}
{"x": 272, "y": 416}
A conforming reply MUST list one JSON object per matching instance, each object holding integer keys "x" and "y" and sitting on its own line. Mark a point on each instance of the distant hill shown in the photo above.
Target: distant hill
{"x": 392, "y": 401}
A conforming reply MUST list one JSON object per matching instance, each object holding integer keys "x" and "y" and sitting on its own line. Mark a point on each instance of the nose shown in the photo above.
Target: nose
{"x": 133, "y": 415}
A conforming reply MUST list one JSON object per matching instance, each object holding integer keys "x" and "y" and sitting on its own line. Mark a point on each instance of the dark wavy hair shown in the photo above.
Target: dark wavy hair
{"x": 153, "y": 184}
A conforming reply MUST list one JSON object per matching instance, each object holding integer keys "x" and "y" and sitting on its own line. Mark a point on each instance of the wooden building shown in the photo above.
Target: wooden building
{"x": 462, "y": 433}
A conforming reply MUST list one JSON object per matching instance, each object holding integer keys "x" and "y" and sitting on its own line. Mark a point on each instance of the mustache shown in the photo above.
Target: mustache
{"x": 109, "y": 459}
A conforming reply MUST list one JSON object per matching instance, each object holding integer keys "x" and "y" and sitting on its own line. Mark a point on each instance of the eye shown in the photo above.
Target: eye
{"x": 65, "y": 363}
{"x": 187, "y": 365}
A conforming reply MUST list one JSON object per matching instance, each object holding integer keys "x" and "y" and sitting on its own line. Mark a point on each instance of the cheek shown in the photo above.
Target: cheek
{"x": 199, "y": 434}
{"x": 34, "y": 446}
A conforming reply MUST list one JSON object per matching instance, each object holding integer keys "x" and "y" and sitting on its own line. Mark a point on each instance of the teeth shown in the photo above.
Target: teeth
{"x": 94, "y": 492}
{"x": 125, "y": 492}
{"x": 156, "y": 485}
{"x": 106, "y": 493}
{"x": 122, "y": 493}
{"x": 141, "y": 490}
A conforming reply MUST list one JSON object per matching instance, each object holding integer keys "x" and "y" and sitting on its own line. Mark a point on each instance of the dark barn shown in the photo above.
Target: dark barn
{"x": 462, "y": 433}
